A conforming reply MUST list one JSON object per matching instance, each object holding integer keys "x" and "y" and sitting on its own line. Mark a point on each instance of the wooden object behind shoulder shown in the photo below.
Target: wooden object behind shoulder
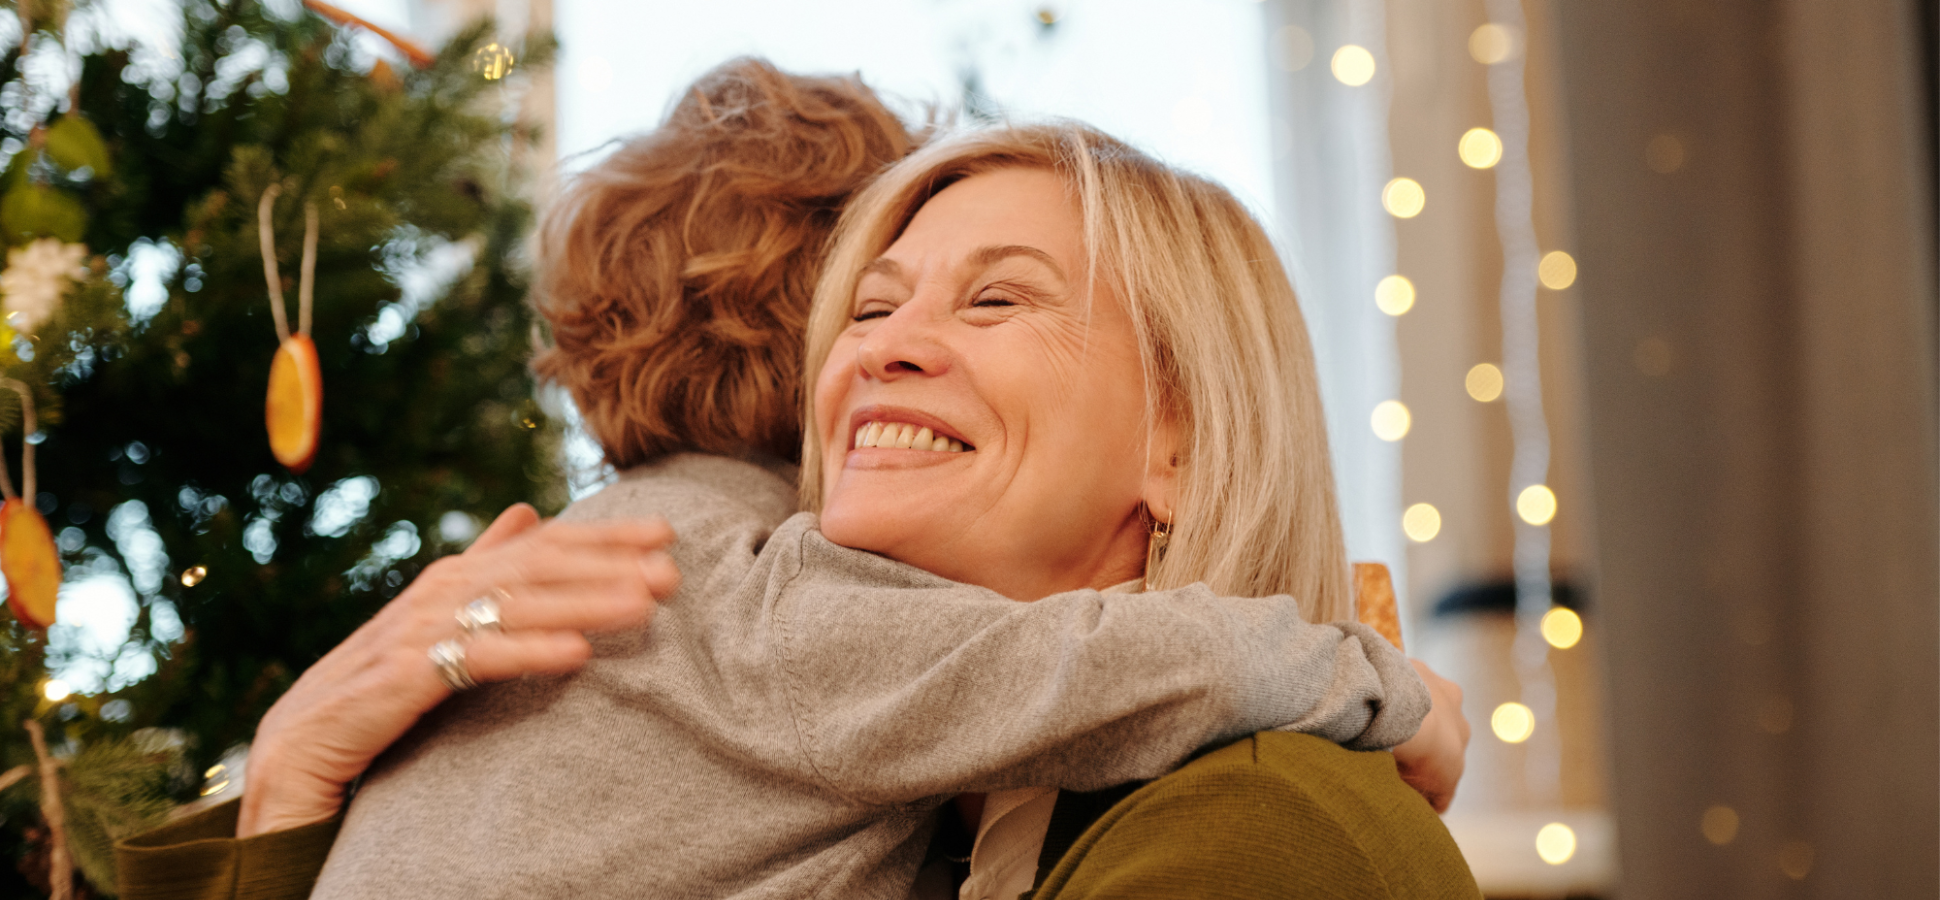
{"x": 1374, "y": 603}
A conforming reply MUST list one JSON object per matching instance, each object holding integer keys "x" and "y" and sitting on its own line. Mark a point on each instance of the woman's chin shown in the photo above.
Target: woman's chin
{"x": 894, "y": 520}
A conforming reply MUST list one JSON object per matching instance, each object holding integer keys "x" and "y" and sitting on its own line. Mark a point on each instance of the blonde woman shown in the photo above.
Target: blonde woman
{"x": 1120, "y": 345}
{"x": 801, "y": 706}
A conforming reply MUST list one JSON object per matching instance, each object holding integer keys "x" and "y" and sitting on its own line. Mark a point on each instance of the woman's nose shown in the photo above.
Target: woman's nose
{"x": 906, "y": 342}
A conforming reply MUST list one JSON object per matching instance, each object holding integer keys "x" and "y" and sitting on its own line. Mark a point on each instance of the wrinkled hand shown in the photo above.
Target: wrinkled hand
{"x": 1431, "y": 761}
{"x": 560, "y": 579}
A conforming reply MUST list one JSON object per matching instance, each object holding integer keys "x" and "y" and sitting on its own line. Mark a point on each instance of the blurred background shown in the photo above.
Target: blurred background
{"x": 1625, "y": 312}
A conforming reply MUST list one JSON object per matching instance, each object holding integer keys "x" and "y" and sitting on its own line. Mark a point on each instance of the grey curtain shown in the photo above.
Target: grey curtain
{"x": 1760, "y": 331}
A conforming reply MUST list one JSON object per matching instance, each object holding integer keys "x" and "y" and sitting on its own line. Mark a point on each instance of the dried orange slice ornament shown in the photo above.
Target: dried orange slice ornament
{"x": 28, "y": 558}
{"x": 293, "y": 411}
{"x": 30, "y": 562}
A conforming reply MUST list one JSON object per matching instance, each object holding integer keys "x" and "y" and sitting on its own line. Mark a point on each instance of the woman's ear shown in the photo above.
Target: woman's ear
{"x": 1160, "y": 490}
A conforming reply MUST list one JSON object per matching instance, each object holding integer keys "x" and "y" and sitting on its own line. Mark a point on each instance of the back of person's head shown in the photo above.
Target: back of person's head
{"x": 1224, "y": 349}
{"x": 677, "y": 272}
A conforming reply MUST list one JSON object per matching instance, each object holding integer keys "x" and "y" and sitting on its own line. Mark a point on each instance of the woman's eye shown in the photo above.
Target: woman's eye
{"x": 990, "y": 300}
{"x": 872, "y": 309}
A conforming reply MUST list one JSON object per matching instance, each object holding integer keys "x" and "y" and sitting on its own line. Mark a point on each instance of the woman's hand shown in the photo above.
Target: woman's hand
{"x": 1431, "y": 761}
{"x": 553, "y": 581}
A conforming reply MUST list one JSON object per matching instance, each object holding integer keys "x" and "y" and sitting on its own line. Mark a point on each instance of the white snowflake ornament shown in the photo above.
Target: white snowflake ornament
{"x": 36, "y": 277}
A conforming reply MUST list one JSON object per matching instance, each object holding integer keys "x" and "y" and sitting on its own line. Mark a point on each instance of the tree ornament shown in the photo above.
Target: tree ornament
{"x": 293, "y": 410}
{"x": 28, "y": 558}
{"x": 419, "y": 57}
{"x": 36, "y": 277}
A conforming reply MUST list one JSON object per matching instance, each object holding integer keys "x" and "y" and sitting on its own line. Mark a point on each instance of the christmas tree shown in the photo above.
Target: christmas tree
{"x": 140, "y": 325}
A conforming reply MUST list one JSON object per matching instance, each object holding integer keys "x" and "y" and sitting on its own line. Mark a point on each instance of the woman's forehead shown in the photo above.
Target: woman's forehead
{"x": 993, "y": 215}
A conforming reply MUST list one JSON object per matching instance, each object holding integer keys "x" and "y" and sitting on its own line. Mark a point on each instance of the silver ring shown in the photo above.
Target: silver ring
{"x": 481, "y": 614}
{"x": 448, "y": 657}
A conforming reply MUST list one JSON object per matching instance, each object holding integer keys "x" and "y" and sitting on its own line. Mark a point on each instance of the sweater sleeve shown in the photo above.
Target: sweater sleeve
{"x": 903, "y": 685}
{"x": 199, "y": 857}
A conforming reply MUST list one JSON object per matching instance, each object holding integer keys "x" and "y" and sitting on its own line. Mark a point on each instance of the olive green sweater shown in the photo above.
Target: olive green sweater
{"x": 1275, "y": 815}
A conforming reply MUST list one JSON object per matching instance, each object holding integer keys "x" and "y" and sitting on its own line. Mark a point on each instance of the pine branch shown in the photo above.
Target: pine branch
{"x": 114, "y": 789}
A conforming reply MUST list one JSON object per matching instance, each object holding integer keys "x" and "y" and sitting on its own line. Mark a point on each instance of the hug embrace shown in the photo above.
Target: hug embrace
{"x": 974, "y": 535}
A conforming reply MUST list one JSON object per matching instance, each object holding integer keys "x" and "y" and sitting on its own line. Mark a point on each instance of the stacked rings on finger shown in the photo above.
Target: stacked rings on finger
{"x": 448, "y": 656}
{"x": 482, "y": 614}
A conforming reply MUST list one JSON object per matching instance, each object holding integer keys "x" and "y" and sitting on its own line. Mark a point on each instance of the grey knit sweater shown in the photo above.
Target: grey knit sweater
{"x": 791, "y": 718}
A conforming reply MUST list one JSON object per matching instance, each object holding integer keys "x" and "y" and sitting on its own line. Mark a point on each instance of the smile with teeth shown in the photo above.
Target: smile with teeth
{"x": 896, "y": 435}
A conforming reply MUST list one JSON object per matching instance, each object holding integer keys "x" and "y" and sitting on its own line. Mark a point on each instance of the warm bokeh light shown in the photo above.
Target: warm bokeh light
{"x": 1556, "y": 843}
{"x": 1536, "y": 504}
{"x": 1480, "y": 149}
{"x": 1353, "y": 65}
{"x": 1403, "y": 198}
{"x": 1664, "y": 154}
{"x": 1512, "y": 723}
{"x": 56, "y": 690}
{"x": 1293, "y": 48}
{"x": 1395, "y": 294}
{"x": 1795, "y": 860}
{"x": 1557, "y": 270}
{"x": 1720, "y": 825}
{"x": 493, "y": 61}
{"x": 1562, "y": 628}
{"x": 1391, "y": 420}
{"x": 1421, "y": 522}
{"x": 193, "y": 576}
{"x": 1492, "y": 43}
{"x": 1484, "y": 382}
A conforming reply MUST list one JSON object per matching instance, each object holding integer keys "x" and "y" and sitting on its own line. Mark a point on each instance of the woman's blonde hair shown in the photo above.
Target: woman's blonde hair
{"x": 1224, "y": 350}
{"x": 676, "y": 272}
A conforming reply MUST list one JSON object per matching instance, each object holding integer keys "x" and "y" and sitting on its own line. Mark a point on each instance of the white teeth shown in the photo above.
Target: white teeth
{"x": 903, "y": 436}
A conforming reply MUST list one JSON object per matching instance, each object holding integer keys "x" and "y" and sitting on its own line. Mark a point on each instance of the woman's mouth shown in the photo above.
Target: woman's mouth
{"x": 904, "y": 436}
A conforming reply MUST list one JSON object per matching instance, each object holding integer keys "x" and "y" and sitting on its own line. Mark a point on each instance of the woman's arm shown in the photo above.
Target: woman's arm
{"x": 558, "y": 580}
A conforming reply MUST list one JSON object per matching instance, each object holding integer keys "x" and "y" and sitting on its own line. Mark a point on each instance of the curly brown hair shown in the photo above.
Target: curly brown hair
{"x": 677, "y": 272}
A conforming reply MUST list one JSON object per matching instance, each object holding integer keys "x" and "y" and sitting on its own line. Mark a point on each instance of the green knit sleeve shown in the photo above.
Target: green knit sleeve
{"x": 198, "y": 857}
{"x": 1272, "y": 816}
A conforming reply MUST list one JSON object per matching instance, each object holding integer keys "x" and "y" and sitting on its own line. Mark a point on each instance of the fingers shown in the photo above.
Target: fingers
{"x": 606, "y": 606}
{"x": 514, "y": 521}
{"x": 500, "y": 657}
{"x": 643, "y": 534}
{"x": 583, "y": 592}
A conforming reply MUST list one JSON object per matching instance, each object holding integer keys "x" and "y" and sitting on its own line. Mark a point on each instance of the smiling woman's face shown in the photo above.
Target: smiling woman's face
{"x": 974, "y": 333}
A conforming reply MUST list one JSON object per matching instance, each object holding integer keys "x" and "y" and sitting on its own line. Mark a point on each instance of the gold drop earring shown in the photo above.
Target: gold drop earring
{"x": 1155, "y": 541}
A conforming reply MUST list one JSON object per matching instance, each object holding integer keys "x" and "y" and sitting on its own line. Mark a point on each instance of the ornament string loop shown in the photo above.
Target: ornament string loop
{"x": 306, "y": 275}
{"x": 28, "y": 428}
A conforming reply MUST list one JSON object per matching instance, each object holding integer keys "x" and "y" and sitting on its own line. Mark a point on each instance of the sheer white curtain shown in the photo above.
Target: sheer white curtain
{"x": 1331, "y": 162}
